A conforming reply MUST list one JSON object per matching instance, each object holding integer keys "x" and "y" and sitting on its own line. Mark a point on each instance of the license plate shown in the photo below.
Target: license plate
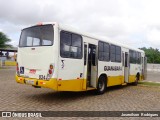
{"x": 30, "y": 82}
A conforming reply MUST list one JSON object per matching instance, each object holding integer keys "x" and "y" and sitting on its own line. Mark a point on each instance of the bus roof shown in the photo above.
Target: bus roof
{"x": 105, "y": 39}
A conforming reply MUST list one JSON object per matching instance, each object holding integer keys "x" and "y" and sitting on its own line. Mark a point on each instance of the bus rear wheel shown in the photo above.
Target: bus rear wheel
{"x": 101, "y": 87}
{"x": 136, "y": 81}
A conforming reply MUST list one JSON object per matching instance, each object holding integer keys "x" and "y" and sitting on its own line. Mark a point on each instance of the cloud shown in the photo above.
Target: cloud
{"x": 126, "y": 21}
{"x": 154, "y": 35}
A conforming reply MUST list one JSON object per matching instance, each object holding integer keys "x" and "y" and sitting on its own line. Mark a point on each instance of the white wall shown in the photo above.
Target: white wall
{"x": 153, "y": 67}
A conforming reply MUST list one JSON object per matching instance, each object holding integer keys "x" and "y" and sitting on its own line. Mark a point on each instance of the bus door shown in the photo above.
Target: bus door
{"x": 91, "y": 65}
{"x": 85, "y": 65}
{"x": 126, "y": 67}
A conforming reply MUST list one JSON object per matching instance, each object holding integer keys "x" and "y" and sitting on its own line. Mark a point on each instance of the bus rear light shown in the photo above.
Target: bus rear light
{"x": 43, "y": 83}
{"x": 20, "y": 79}
{"x": 50, "y": 71}
{"x": 51, "y": 66}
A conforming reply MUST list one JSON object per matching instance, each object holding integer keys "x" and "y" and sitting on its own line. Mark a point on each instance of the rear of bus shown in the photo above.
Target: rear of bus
{"x": 37, "y": 56}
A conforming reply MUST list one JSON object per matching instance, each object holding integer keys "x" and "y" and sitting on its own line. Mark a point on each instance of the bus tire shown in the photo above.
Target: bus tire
{"x": 136, "y": 81}
{"x": 101, "y": 87}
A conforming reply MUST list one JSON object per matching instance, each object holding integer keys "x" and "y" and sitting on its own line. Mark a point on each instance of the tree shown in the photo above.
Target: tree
{"x": 153, "y": 55}
{"x": 4, "y": 41}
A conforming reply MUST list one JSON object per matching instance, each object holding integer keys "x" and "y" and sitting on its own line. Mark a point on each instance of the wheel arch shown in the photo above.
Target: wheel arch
{"x": 104, "y": 75}
{"x": 138, "y": 75}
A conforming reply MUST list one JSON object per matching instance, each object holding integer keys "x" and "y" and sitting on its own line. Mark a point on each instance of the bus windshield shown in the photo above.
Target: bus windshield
{"x": 37, "y": 36}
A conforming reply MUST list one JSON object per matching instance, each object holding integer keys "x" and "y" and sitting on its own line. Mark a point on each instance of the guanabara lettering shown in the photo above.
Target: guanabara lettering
{"x": 112, "y": 68}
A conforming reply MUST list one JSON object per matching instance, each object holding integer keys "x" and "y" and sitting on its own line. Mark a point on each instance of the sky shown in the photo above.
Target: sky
{"x": 132, "y": 22}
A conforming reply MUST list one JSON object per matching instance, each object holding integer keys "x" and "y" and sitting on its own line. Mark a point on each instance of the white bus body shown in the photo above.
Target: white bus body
{"x": 55, "y": 56}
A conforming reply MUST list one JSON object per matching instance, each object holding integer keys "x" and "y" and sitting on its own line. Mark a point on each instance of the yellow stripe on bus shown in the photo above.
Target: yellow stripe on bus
{"x": 73, "y": 84}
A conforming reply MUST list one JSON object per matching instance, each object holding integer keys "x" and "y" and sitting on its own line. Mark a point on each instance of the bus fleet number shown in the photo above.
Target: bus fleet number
{"x": 42, "y": 77}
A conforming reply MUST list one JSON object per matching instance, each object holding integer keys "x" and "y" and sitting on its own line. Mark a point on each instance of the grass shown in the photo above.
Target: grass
{"x": 149, "y": 83}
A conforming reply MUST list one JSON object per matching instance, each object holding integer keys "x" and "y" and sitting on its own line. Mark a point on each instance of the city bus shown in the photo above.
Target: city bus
{"x": 61, "y": 58}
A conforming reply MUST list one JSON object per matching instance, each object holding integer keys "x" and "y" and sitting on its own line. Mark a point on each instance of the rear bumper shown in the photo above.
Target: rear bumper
{"x": 58, "y": 85}
{"x": 52, "y": 83}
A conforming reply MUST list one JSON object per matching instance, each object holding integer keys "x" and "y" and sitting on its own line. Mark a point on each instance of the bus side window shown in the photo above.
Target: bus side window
{"x": 113, "y": 53}
{"x": 118, "y": 54}
{"x": 103, "y": 51}
{"x": 65, "y": 44}
{"x": 70, "y": 45}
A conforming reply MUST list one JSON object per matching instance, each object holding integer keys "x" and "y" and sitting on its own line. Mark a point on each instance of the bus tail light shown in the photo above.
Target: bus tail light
{"x": 51, "y": 66}
{"x": 50, "y": 71}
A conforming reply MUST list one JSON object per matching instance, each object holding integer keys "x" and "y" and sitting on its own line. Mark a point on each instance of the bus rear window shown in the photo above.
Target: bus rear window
{"x": 37, "y": 36}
